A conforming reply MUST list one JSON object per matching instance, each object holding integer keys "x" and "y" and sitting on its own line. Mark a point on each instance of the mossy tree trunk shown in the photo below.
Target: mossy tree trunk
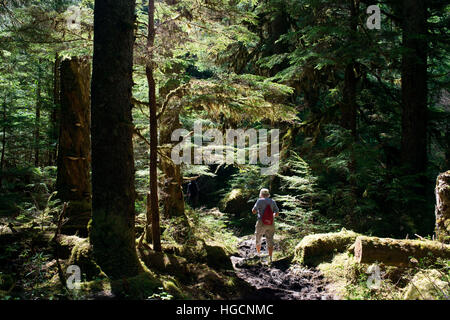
{"x": 73, "y": 181}
{"x": 112, "y": 233}
{"x": 442, "y": 211}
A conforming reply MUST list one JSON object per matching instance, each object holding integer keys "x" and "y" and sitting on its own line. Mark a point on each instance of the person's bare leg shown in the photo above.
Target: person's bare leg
{"x": 270, "y": 249}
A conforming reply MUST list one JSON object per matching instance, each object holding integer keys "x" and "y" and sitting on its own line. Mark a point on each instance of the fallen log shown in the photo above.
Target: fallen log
{"x": 317, "y": 248}
{"x": 397, "y": 252}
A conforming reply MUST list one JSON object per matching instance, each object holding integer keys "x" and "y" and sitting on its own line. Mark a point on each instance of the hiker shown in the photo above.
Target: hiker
{"x": 193, "y": 193}
{"x": 267, "y": 209}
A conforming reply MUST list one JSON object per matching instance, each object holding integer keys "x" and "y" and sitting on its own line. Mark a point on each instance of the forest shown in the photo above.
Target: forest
{"x": 142, "y": 139}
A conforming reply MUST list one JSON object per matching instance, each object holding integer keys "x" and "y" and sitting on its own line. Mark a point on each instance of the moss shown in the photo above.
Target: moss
{"x": 114, "y": 246}
{"x": 236, "y": 202}
{"x": 195, "y": 252}
{"x": 316, "y": 248}
{"x": 174, "y": 289}
{"x": 398, "y": 252}
{"x": 427, "y": 285}
{"x": 82, "y": 256}
{"x": 165, "y": 263}
{"x": 348, "y": 279}
{"x": 66, "y": 245}
{"x": 139, "y": 287}
{"x": 217, "y": 258}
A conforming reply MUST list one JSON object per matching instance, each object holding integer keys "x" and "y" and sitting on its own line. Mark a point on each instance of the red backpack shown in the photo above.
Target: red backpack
{"x": 267, "y": 217}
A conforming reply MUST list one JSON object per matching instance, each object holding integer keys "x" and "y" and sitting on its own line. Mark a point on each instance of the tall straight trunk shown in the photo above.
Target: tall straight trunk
{"x": 348, "y": 109}
{"x": 154, "y": 207}
{"x": 38, "y": 116}
{"x": 54, "y": 116}
{"x": 2, "y": 159}
{"x": 414, "y": 86}
{"x": 73, "y": 181}
{"x": 349, "y": 104}
{"x": 414, "y": 115}
{"x": 113, "y": 192}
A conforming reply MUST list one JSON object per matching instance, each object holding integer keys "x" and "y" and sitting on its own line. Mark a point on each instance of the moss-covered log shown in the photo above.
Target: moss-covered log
{"x": 397, "y": 252}
{"x": 443, "y": 207}
{"x": 316, "y": 248}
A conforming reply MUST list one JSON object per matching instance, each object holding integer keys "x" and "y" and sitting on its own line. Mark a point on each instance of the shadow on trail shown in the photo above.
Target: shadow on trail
{"x": 280, "y": 281}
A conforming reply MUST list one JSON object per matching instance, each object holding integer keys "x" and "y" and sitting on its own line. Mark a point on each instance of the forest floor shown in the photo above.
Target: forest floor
{"x": 280, "y": 280}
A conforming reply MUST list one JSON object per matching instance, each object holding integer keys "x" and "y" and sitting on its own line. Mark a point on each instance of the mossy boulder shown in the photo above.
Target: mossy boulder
{"x": 66, "y": 245}
{"x": 317, "y": 248}
{"x": 217, "y": 258}
{"x": 172, "y": 287}
{"x": 427, "y": 285}
{"x": 82, "y": 256}
{"x": 236, "y": 202}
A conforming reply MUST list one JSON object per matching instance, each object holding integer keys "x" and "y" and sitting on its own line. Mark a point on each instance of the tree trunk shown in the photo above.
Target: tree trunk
{"x": 397, "y": 252}
{"x": 442, "y": 210}
{"x": 113, "y": 191}
{"x": 73, "y": 182}
{"x": 414, "y": 114}
{"x": 2, "y": 159}
{"x": 173, "y": 200}
{"x": 348, "y": 108}
{"x": 54, "y": 116}
{"x": 37, "y": 123}
{"x": 414, "y": 86}
{"x": 154, "y": 207}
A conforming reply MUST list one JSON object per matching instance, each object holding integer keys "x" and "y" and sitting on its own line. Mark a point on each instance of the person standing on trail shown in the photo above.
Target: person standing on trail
{"x": 266, "y": 209}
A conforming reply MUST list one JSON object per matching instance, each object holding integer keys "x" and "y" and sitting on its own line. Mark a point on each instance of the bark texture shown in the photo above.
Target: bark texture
{"x": 153, "y": 211}
{"x": 442, "y": 210}
{"x": 73, "y": 178}
{"x": 113, "y": 192}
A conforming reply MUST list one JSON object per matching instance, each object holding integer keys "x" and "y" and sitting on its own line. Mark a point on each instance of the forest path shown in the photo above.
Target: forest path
{"x": 280, "y": 281}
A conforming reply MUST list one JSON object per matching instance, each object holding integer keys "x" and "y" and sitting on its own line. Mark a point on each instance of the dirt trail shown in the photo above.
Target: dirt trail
{"x": 280, "y": 281}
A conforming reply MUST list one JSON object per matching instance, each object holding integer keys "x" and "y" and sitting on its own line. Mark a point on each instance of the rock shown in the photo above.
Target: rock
{"x": 236, "y": 202}
{"x": 316, "y": 248}
{"x": 427, "y": 285}
{"x": 217, "y": 258}
{"x": 442, "y": 209}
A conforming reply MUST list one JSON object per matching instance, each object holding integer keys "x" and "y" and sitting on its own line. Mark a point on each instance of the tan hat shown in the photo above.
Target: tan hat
{"x": 264, "y": 193}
